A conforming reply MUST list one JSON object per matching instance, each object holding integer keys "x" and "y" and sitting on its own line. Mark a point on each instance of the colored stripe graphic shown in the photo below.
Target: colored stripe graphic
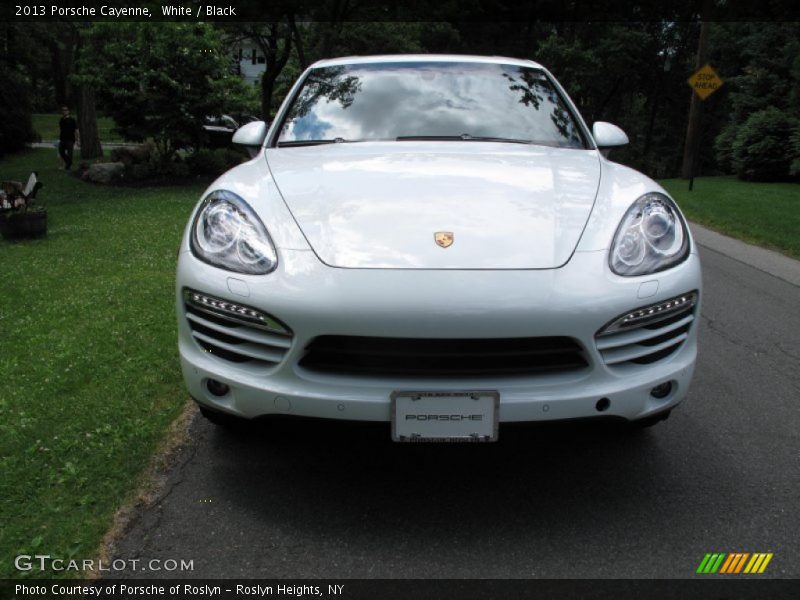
{"x": 740, "y": 564}
{"x": 734, "y": 563}
{"x": 703, "y": 563}
{"x": 730, "y": 564}
{"x": 727, "y": 564}
{"x": 710, "y": 563}
{"x": 765, "y": 563}
{"x": 757, "y": 558}
{"x": 713, "y": 566}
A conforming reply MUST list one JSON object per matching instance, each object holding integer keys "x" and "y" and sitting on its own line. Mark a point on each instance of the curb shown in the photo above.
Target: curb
{"x": 768, "y": 261}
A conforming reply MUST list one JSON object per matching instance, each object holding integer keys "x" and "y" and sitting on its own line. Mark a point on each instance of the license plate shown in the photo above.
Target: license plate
{"x": 445, "y": 416}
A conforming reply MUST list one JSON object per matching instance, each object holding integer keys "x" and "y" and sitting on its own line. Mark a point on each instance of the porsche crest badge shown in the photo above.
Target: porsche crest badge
{"x": 444, "y": 239}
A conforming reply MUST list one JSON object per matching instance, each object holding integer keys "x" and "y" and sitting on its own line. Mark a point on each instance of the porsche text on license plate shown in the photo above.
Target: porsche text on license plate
{"x": 469, "y": 416}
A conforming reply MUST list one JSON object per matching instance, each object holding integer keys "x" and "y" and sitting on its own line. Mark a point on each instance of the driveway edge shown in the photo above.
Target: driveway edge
{"x": 769, "y": 261}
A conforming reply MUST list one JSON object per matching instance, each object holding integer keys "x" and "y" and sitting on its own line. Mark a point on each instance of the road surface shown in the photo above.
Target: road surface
{"x": 340, "y": 500}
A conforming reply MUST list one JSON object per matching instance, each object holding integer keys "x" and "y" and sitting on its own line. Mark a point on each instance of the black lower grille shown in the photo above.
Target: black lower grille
{"x": 442, "y": 357}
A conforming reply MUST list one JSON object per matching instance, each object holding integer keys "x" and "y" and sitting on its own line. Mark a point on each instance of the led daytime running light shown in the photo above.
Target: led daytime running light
{"x": 235, "y": 310}
{"x": 652, "y": 313}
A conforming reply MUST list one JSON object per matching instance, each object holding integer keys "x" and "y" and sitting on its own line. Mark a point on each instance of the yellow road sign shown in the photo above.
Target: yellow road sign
{"x": 705, "y": 82}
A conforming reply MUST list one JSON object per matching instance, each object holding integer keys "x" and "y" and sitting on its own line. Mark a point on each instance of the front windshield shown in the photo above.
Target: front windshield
{"x": 447, "y": 100}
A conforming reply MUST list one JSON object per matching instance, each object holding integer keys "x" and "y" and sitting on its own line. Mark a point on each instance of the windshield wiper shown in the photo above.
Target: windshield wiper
{"x": 464, "y": 137}
{"x": 288, "y": 143}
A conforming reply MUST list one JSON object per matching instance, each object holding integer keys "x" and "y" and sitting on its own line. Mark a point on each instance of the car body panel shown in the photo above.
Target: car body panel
{"x": 378, "y": 204}
{"x": 313, "y": 299}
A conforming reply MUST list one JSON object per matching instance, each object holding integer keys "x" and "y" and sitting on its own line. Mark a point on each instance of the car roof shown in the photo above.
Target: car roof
{"x": 391, "y": 58}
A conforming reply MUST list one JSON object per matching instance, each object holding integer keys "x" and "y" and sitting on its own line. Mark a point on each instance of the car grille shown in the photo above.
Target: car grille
{"x": 651, "y": 339}
{"x": 443, "y": 357}
{"x": 234, "y": 338}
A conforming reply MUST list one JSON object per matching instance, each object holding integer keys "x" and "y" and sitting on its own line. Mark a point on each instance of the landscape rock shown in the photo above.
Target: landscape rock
{"x": 105, "y": 172}
{"x": 132, "y": 155}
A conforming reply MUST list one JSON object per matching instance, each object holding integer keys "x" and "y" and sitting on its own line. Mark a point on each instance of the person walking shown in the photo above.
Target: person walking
{"x": 68, "y": 135}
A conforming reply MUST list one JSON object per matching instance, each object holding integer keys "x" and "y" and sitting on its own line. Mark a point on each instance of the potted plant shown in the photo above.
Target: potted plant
{"x": 20, "y": 216}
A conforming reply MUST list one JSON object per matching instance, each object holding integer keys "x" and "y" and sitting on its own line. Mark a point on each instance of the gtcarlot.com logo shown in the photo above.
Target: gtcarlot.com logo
{"x": 734, "y": 563}
{"x": 44, "y": 562}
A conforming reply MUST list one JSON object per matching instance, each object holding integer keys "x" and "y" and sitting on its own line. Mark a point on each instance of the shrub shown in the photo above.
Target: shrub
{"x": 205, "y": 161}
{"x": 723, "y": 148}
{"x": 794, "y": 169}
{"x": 761, "y": 150}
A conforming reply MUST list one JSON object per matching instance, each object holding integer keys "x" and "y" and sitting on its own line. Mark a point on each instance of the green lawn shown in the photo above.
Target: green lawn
{"x": 89, "y": 375}
{"x": 47, "y": 127}
{"x": 767, "y": 214}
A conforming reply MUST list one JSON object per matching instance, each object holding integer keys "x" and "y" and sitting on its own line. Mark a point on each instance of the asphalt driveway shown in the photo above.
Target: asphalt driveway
{"x": 340, "y": 500}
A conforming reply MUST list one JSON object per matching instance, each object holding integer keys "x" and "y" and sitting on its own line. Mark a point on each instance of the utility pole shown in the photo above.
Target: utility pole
{"x": 692, "y": 146}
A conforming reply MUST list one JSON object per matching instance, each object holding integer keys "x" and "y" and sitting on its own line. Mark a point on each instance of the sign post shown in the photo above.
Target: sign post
{"x": 704, "y": 82}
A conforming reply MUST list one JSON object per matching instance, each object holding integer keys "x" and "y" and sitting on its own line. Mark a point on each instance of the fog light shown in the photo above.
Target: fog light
{"x": 662, "y": 390}
{"x": 217, "y": 388}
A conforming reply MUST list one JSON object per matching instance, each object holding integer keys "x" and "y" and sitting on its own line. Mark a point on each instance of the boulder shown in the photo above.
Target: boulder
{"x": 132, "y": 155}
{"x": 105, "y": 172}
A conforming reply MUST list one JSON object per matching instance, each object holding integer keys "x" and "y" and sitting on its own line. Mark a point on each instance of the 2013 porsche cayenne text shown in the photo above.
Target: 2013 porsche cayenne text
{"x": 438, "y": 242}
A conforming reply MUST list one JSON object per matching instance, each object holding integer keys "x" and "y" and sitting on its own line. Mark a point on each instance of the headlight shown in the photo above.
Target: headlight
{"x": 227, "y": 233}
{"x": 651, "y": 237}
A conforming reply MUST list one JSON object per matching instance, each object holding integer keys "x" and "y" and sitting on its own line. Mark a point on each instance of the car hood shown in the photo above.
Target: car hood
{"x": 381, "y": 204}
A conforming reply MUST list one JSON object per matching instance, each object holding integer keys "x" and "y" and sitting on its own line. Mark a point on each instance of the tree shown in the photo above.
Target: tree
{"x": 275, "y": 42}
{"x": 762, "y": 90}
{"x": 15, "y": 92}
{"x": 161, "y": 80}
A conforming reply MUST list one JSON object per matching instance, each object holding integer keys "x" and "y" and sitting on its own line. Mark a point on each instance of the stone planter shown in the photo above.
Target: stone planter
{"x": 27, "y": 224}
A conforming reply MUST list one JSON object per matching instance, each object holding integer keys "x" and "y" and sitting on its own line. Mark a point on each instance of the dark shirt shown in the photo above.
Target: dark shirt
{"x": 67, "y": 125}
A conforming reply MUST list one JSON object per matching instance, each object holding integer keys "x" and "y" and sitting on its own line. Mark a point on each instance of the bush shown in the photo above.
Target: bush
{"x": 761, "y": 150}
{"x": 150, "y": 165}
{"x": 794, "y": 169}
{"x": 723, "y": 148}
{"x": 205, "y": 161}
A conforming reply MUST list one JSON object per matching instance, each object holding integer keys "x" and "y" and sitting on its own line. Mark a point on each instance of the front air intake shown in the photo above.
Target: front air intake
{"x": 424, "y": 357}
{"x": 647, "y": 334}
{"x": 235, "y": 332}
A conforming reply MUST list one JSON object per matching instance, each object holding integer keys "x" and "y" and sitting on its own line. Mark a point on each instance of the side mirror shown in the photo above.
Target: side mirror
{"x": 251, "y": 135}
{"x": 607, "y": 135}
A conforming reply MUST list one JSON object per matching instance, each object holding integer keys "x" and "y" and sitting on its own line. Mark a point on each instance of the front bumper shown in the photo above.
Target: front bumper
{"x": 313, "y": 299}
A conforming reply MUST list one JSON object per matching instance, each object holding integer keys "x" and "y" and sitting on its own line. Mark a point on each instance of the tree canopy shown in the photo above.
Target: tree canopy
{"x": 161, "y": 80}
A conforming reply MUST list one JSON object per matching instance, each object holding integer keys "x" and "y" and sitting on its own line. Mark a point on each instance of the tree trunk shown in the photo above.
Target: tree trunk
{"x": 62, "y": 57}
{"x": 267, "y": 86}
{"x": 275, "y": 57}
{"x": 87, "y": 123}
{"x": 298, "y": 42}
{"x": 692, "y": 145}
{"x": 59, "y": 77}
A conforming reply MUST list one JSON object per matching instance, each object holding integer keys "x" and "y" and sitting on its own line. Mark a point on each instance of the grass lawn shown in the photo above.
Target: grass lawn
{"x": 89, "y": 375}
{"x": 47, "y": 127}
{"x": 767, "y": 214}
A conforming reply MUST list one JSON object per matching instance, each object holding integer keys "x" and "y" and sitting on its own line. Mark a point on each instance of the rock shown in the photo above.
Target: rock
{"x": 106, "y": 172}
{"x": 132, "y": 155}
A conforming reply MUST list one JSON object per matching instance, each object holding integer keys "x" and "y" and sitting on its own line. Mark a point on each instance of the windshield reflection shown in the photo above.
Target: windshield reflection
{"x": 391, "y": 100}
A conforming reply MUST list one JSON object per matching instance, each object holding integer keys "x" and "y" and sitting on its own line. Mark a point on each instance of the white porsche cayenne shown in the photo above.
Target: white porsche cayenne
{"x": 439, "y": 243}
